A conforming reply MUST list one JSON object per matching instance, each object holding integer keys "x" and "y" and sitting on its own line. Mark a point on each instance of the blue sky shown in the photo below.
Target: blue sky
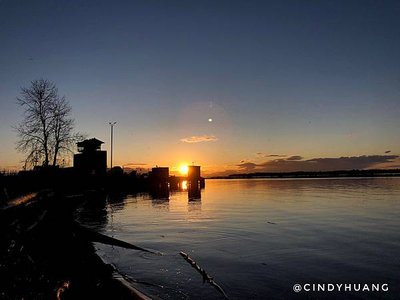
{"x": 296, "y": 78}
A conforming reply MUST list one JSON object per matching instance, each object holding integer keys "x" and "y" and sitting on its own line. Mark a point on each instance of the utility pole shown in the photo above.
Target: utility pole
{"x": 112, "y": 133}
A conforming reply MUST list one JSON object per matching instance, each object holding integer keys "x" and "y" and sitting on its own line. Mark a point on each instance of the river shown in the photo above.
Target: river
{"x": 259, "y": 237}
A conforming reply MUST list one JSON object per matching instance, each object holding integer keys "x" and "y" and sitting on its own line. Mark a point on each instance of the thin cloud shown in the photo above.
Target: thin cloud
{"x": 297, "y": 163}
{"x": 199, "y": 139}
{"x": 247, "y": 166}
{"x": 135, "y": 164}
{"x": 262, "y": 154}
{"x": 294, "y": 157}
{"x": 326, "y": 164}
{"x": 315, "y": 164}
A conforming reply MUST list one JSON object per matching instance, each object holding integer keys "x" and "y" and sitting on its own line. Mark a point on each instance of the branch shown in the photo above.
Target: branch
{"x": 206, "y": 277}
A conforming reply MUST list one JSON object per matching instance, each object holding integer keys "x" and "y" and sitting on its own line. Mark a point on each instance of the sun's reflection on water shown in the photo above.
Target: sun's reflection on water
{"x": 184, "y": 185}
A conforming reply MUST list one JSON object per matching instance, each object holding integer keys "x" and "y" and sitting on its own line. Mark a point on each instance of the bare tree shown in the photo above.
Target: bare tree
{"x": 46, "y": 131}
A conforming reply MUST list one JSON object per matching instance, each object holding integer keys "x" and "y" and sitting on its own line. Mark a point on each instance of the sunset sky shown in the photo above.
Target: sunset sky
{"x": 234, "y": 86}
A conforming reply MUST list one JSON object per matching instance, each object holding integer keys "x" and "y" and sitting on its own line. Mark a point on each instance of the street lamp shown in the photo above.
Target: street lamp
{"x": 112, "y": 132}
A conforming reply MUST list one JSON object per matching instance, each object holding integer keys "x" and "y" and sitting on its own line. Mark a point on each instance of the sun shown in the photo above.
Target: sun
{"x": 183, "y": 169}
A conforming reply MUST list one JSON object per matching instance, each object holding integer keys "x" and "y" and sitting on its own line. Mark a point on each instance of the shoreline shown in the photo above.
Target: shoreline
{"x": 45, "y": 256}
{"x": 311, "y": 175}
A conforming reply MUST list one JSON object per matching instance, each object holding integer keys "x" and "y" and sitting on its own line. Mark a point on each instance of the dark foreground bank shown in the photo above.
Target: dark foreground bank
{"x": 46, "y": 254}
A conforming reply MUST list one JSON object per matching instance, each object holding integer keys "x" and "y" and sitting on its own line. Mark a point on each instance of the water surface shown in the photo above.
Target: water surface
{"x": 258, "y": 237}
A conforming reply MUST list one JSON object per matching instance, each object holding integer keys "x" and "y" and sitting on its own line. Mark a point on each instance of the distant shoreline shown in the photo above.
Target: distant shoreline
{"x": 321, "y": 174}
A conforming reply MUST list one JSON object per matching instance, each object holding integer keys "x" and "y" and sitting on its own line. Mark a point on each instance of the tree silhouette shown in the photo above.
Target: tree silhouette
{"x": 46, "y": 131}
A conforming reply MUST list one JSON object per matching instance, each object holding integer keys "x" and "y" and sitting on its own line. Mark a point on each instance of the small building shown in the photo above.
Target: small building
{"x": 90, "y": 159}
{"x": 195, "y": 181}
{"x": 193, "y": 173}
{"x": 160, "y": 174}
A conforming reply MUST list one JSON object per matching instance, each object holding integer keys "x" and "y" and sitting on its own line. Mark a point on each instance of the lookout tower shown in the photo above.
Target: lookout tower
{"x": 90, "y": 159}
